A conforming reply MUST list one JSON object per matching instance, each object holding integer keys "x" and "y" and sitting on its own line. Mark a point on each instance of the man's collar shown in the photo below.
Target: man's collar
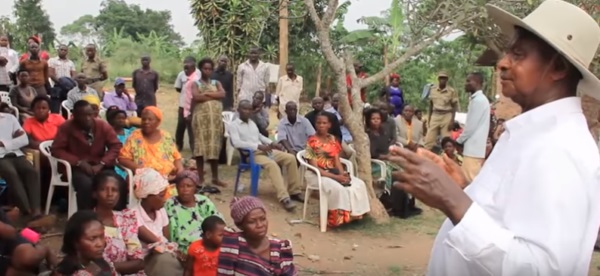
{"x": 542, "y": 113}
{"x": 476, "y": 93}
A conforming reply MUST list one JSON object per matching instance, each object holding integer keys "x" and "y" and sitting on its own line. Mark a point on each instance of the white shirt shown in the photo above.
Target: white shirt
{"x": 250, "y": 80}
{"x": 62, "y": 67}
{"x": 9, "y": 126}
{"x": 535, "y": 202}
{"x": 477, "y": 129}
{"x": 289, "y": 90}
{"x": 246, "y": 135}
{"x": 180, "y": 82}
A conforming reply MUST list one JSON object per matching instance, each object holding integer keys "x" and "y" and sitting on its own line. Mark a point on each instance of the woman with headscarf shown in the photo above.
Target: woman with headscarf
{"x": 161, "y": 254}
{"x": 188, "y": 210}
{"x": 251, "y": 252}
{"x": 151, "y": 147}
{"x": 394, "y": 94}
{"x": 43, "y": 54}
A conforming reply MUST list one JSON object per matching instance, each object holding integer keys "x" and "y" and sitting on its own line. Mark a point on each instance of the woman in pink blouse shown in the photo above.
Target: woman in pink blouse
{"x": 123, "y": 248}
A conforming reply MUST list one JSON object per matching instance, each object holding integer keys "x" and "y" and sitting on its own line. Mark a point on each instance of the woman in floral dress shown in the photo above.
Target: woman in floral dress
{"x": 151, "y": 147}
{"x": 187, "y": 211}
{"x": 207, "y": 122}
{"x": 347, "y": 197}
{"x": 123, "y": 248}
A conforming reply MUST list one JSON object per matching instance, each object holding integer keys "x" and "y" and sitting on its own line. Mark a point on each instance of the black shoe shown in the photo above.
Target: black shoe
{"x": 297, "y": 197}
{"x": 288, "y": 205}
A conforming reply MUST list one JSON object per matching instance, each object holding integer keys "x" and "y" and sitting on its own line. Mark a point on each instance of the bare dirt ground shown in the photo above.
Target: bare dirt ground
{"x": 399, "y": 248}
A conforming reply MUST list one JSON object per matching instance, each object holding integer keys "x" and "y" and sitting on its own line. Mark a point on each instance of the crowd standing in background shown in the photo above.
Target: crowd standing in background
{"x": 164, "y": 224}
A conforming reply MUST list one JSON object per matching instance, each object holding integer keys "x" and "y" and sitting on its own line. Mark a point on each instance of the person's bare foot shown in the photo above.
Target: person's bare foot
{"x": 40, "y": 221}
{"x": 219, "y": 183}
{"x": 13, "y": 214}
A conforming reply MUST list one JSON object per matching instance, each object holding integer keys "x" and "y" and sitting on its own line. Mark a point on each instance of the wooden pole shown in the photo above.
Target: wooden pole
{"x": 318, "y": 88}
{"x": 283, "y": 36}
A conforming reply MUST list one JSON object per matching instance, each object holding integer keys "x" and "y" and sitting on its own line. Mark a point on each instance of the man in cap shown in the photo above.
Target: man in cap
{"x": 443, "y": 103}
{"x": 533, "y": 209}
{"x": 120, "y": 97}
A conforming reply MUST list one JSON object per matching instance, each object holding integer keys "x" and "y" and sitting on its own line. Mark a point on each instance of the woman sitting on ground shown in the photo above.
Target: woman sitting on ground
{"x": 151, "y": 147}
{"x": 449, "y": 150}
{"x": 346, "y": 195}
{"x": 117, "y": 118}
{"x": 251, "y": 252}
{"x": 43, "y": 125}
{"x": 83, "y": 246}
{"x": 380, "y": 143}
{"x": 187, "y": 210}
{"x": 161, "y": 255}
{"x": 123, "y": 248}
{"x": 20, "y": 256}
{"x": 22, "y": 95}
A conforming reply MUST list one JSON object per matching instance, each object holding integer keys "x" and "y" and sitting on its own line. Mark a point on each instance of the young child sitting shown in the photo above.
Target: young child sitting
{"x": 203, "y": 255}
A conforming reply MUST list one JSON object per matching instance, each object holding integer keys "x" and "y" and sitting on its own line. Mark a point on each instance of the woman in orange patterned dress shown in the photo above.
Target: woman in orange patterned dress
{"x": 347, "y": 197}
{"x": 151, "y": 147}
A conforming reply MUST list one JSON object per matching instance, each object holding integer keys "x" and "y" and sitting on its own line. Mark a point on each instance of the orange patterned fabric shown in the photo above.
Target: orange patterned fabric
{"x": 324, "y": 152}
{"x": 336, "y": 218}
{"x": 160, "y": 156}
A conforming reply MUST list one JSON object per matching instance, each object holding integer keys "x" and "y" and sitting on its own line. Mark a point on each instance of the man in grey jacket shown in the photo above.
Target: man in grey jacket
{"x": 474, "y": 136}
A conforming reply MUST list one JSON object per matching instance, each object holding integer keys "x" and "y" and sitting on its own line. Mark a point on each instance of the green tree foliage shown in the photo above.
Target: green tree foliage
{"x": 31, "y": 19}
{"x": 83, "y": 30}
{"x": 131, "y": 20}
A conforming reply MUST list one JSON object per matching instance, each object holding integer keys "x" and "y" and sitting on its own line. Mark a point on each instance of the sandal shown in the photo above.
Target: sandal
{"x": 210, "y": 190}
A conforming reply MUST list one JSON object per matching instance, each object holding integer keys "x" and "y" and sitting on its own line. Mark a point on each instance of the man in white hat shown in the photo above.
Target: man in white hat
{"x": 534, "y": 208}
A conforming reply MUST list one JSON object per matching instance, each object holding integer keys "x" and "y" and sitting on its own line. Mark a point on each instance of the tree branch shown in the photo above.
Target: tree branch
{"x": 413, "y": 50}
{"x": 323, "y": 35}
{"x": 329, "y": 13}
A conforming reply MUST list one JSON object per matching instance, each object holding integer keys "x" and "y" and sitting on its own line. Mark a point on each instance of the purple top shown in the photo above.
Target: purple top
{"x": 236, "y": 258}
{"x": 122, "y": 102}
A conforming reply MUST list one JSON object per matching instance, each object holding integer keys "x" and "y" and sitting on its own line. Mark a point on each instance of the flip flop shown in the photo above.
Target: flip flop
{"x": 210, "y": 190}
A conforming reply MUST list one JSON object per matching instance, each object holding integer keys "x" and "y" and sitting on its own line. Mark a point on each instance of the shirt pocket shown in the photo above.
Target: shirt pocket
{"x": 485, "y": 190}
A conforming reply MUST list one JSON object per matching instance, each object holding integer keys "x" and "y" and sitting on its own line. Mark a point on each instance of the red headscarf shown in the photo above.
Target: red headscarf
{"x": 394, "y": 76}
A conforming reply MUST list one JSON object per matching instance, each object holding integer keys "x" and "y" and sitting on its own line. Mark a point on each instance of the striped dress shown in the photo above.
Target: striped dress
{"x": 236, "y": 258}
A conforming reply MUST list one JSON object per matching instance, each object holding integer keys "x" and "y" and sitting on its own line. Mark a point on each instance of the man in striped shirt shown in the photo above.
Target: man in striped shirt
{"x": 61, "y": 66}
{"x": 252, "y": 75}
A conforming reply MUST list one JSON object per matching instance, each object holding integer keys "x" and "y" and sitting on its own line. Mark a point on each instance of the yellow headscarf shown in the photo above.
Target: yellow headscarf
{"x": 91, "y": 99}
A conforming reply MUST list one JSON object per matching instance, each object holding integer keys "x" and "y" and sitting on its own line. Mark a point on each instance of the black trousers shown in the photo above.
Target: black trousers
{"x": 82, "y": 183}
{"x": 182, "y": 126}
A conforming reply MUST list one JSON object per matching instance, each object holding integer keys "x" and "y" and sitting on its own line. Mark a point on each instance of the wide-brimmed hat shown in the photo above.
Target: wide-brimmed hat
{"x": 565, "y": 27}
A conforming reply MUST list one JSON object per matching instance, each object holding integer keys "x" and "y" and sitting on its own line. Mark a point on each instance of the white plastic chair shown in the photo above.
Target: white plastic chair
{"x": 133, "y": 201}
{"x": 63, "y": 105}
{"x": 229, "y": 149}
{"x": 319, "y": 187}
{"x": 56, "y": 179}
{"x": 4, "y": 97}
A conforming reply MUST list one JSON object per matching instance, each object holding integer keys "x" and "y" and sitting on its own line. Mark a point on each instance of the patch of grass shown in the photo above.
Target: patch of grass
{"x": 394, "y": 270}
